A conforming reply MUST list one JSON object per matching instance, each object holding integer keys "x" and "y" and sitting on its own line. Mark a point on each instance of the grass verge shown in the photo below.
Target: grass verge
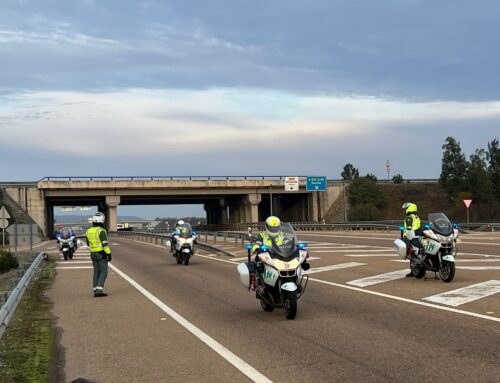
{"x": 26, "y": 347}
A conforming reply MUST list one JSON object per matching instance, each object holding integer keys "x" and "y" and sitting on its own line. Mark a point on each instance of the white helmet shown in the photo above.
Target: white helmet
{"x": 98, "y": 218}
{"x": 180, "y": 222}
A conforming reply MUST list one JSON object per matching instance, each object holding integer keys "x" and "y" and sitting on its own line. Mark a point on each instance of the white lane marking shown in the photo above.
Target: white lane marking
{"x": 460, "y": 260}
{"x": 334, "y": 267}
{"x": 334, "y": 246}
{"x": 225, "y": 353}
{"x": 481, "y": 255}
{"x": 396, "y": 298}
{"x": 313, "y": 258}
{"x": 466, "y": 294}
{"x": 392, "y": 276}
{"x": 371, "y": 255}
{"x": 217, "y": 259}
{"x": 73, "y": 267}
{"x": 480, "y": 243}
{"x": 240, "y": 259}
{"x": 352, "y": 251}
{"x": 478, "y": 267}
{"x": 73, "y": 261}
{"x": 51, "y": 247}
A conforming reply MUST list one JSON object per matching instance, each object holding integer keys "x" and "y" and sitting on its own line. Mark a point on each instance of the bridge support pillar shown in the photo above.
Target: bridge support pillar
{"x": 112, "y": 203}
{"x": 251, "y": 207}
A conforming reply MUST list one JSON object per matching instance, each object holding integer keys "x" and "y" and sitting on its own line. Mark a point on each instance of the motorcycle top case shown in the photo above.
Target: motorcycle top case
{"x": 244, "y": 270}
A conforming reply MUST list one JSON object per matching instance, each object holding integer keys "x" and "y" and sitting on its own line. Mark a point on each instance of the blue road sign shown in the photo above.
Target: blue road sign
{"x": 316, "y": 183}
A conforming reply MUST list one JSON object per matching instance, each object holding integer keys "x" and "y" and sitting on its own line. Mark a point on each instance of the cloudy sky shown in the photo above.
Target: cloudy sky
{"x": 240, "y": 87}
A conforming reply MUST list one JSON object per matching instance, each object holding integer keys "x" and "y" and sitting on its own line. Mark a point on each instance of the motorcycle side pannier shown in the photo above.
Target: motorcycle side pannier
{"x": 400, "y": 248}
{"x": 244, "y": 270}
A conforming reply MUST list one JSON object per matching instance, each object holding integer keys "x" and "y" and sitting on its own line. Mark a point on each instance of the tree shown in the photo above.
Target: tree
{"x": 493, "y": 156}
{"x": 453, "y": 167}
{"x": 398, "y": 179}
{"x": 477, "y": 179}
{"x": 366, "y": 199}
{"x": 349, "y": 172}
{"x": 371, "y": 176}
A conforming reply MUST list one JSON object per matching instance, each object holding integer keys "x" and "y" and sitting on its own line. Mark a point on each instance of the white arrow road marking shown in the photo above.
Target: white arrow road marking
{"x": 363, "y": 282}
{"x": 225, "y": 353}
{"x": 466, "y": 294}
{"x": 334, "y": 267}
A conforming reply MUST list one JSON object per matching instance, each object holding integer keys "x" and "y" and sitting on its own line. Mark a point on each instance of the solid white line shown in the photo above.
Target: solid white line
{"x": 216, "y": 259}
{"x": 478, "y": 267}
{"x": 466, "y": 294}
{"x": 229, "y": 356}
{"x": 363, "y": 282}
{"x": 73, "y": 267}
{"x": 334, "y": 267}
{"x": 494, "y": 319}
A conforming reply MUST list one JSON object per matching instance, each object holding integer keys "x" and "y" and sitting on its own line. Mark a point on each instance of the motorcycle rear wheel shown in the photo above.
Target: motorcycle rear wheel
{"x": 418, "y": 271}
{"x": 290, "y": 304}
{"x": 266, "y": 306}
{"x": 447, "y": 271}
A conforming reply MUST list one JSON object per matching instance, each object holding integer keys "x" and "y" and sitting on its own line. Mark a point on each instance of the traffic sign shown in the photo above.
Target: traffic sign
{"x": 467, "y": 202}
{"x": 3, "y": 223}
{"x": 316, "y": 184}
{"x": 291, "y": 183}
{"x": 4, "y": 213}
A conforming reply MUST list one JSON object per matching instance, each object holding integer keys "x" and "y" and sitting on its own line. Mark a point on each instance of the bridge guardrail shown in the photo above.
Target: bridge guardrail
{"x": 14, "y": 297}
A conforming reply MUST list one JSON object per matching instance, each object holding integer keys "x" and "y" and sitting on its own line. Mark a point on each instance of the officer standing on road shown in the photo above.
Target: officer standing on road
{"x": 97, "y": 240}
{"x": 412, "y": 222}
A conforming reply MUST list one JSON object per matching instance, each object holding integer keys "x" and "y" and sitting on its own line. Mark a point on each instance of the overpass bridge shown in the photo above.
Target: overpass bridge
{"x": 234, "y": 199}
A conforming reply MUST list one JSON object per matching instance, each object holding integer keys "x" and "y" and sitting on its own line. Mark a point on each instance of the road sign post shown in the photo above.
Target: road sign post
{"x": 467, "y": 203}
{"x": 4, "y": 222}
{"x": 388, "y": 169}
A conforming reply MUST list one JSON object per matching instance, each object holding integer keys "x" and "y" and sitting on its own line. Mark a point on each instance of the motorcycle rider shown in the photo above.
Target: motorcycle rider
{"x": 272, "y": 235}
{"x": 97, "y": 240}
{"x": 412, "y": 222}
{"x": 177, "y": 230}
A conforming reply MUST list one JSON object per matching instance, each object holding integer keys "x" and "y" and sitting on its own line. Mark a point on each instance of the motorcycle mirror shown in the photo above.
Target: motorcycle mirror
{"x": 79, "y": 243}
{"x": 249, "y": 230}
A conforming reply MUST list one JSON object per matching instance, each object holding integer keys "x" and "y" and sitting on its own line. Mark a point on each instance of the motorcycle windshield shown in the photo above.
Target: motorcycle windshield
{"x": 284, "y": 245}
{"x": 440, "y": 223}
{"x": 66, "y": 234}
{"x": 185, "y": 230}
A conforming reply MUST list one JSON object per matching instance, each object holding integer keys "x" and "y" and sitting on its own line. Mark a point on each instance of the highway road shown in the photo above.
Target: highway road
{"x": 359, "y": 321}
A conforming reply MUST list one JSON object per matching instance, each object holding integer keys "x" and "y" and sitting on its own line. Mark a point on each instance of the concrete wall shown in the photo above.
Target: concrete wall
{"x": 32, "y": 201}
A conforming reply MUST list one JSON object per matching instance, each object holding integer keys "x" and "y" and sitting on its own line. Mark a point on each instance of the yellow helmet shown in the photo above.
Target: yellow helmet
{"x": 273, "y": 226}
{"x": 410, "y": 207}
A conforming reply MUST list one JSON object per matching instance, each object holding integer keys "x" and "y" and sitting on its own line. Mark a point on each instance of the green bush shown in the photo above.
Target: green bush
{"x": 7, "y": 261}
{"x": 364, "y": 212}
{"x": 398, "y": 179}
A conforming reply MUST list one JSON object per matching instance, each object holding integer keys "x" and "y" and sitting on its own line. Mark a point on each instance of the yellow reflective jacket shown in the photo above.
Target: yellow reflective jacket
{"x": 265, "y": 239}
{"x": 97, "y": 239}
{"x": 411, "y": 222}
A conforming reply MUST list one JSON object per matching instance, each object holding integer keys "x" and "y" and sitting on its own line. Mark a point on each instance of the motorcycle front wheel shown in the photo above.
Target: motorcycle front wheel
{"x": 418, "y": 271}
{"x": 290, "y": 304}
{"x": 266, "y": 306}
{"x": 447, "y": 271}
{"x": 186, "y": 260}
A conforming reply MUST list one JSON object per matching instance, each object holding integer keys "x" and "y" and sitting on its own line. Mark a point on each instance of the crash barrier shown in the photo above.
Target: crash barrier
{"x": 14, "y": 296}
{"x": 159, "y": 239}
{"x": 299, "y": 226}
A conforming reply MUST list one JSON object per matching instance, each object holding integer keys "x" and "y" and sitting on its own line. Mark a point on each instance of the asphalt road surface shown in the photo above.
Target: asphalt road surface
{"x": 360, "y": 319}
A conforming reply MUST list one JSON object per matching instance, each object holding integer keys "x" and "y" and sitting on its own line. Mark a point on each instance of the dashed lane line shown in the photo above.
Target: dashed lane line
{"x": 466, "y": 294}
{"x": 339, "y": 266}
{"x": 380, "y": 278}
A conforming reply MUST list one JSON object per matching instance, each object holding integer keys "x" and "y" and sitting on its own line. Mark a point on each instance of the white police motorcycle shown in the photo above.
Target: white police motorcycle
{"x": 183, "y": 243}
{"x": 439, "y": 241}
{"x": 277, "y": 276}
{"x": 67, "y": 244}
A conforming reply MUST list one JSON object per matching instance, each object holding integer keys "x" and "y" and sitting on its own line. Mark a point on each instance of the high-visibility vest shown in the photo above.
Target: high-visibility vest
{"x": 411, "y": 222}
{"x": 95, "y": 244}
{"x": 268, "y": 241}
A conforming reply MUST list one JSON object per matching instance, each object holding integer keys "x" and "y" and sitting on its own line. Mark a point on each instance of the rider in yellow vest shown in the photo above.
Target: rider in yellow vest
{"x": 412, "y": 222}
{"x": 97, "y": 240}
{"x": 273, "y": 234}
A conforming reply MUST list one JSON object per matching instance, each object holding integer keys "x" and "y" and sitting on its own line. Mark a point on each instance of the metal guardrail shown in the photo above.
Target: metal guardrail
{"x": 29, "y": 184}
{"x": 8, "y": 309}
{"x": 158, "y": 239}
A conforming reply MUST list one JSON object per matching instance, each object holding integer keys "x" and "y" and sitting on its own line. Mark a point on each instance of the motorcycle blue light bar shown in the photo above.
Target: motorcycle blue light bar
{"x": 248, "y": 247}
{"x": 302, "y": 245}
{"x": 264, "y": 247}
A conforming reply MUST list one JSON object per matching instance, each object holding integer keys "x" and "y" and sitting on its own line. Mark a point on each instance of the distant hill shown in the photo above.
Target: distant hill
{"x": 73, "y": 218}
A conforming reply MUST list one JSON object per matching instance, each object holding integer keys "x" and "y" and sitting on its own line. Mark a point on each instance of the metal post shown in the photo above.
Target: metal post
{"x": 3, "y": 230}
{"x": 271, "y": 199}
{"x": 31, "y": 238}
{"x": 468, "y": 219}
{"x": 345, "y": 202}
{"x": 15, "y": 238}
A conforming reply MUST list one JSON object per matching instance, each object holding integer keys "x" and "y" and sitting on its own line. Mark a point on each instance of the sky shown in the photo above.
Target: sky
{"x": 210, "y": 87}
